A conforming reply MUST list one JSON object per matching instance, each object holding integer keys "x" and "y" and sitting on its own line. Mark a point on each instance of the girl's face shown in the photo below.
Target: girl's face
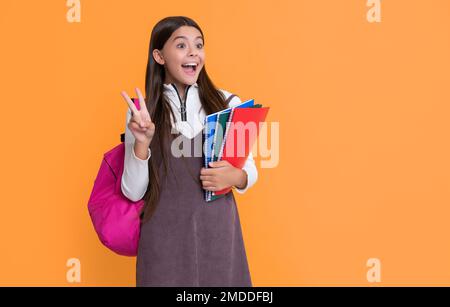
{"x": 183, "y": 56}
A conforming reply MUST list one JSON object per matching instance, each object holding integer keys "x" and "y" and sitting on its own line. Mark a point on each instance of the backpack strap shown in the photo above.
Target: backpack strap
{"x": 229, "y": 98}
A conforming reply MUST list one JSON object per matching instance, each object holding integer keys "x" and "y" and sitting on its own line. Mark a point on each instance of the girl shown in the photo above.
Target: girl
{"x": 185, "y": 241}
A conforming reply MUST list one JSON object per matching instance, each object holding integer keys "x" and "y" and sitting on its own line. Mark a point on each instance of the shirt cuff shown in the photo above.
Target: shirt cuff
{"x": 242, "y": 191}
{"x": 135, "y": 157}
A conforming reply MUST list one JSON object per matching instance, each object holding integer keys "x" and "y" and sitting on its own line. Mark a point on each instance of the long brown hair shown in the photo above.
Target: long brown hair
{"x": 211, "y": 99}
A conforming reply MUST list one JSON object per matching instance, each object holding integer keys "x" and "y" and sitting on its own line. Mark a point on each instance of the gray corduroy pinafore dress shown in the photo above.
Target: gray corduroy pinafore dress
{"x": 189, "y": 242}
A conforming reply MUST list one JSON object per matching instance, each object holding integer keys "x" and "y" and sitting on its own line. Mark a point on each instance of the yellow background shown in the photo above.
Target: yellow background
{"x": 363, "y": 108}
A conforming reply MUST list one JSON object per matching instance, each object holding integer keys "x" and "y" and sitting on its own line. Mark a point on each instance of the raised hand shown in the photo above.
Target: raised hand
{"x": 140, "y": 125}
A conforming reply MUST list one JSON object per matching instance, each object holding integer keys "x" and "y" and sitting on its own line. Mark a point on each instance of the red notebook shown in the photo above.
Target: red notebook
{"x": 238, "y": 153}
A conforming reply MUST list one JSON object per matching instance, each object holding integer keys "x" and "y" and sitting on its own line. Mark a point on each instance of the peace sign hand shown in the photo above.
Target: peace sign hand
{"x": 140, "y": 125}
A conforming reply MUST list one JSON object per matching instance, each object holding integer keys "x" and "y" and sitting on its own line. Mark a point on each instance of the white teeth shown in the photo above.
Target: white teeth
{"x": 190, "y": 64}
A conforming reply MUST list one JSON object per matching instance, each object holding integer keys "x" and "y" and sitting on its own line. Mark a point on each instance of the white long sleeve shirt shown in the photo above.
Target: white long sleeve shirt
{"x": 135, "y": 176}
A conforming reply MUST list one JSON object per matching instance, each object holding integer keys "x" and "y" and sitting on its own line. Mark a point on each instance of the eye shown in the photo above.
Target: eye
{"x": 182, "y": 44}
{"x": 200, "y": 46}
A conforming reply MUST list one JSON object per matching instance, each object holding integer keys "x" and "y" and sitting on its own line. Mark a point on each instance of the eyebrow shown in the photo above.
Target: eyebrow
{"x": 186, "y": 37}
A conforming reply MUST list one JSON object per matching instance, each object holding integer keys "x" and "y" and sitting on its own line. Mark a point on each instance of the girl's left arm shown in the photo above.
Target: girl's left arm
{"x": 249, "y": 166}
{"x": 252, "y": 173}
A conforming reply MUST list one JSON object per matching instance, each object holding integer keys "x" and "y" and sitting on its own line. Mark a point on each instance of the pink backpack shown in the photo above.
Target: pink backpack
{"x": 115, "y": 217}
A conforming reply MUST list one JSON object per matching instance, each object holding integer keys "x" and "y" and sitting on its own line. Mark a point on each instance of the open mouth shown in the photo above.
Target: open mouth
{"x": 190, "y": 68}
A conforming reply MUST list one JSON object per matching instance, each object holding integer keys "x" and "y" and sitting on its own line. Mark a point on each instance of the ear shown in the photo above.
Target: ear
{"x": 157, "y": 56}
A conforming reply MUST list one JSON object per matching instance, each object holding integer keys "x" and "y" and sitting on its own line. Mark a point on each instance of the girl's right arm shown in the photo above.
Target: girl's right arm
{"x": 139, "y": 131}
{"x": 135, "y": 176}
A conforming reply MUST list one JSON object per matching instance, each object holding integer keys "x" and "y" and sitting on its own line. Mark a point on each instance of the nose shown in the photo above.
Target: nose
{"x": 193, "y": 51}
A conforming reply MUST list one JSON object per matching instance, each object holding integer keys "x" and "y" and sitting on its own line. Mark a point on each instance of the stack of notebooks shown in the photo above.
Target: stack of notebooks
{"x": 225, "y": 127}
